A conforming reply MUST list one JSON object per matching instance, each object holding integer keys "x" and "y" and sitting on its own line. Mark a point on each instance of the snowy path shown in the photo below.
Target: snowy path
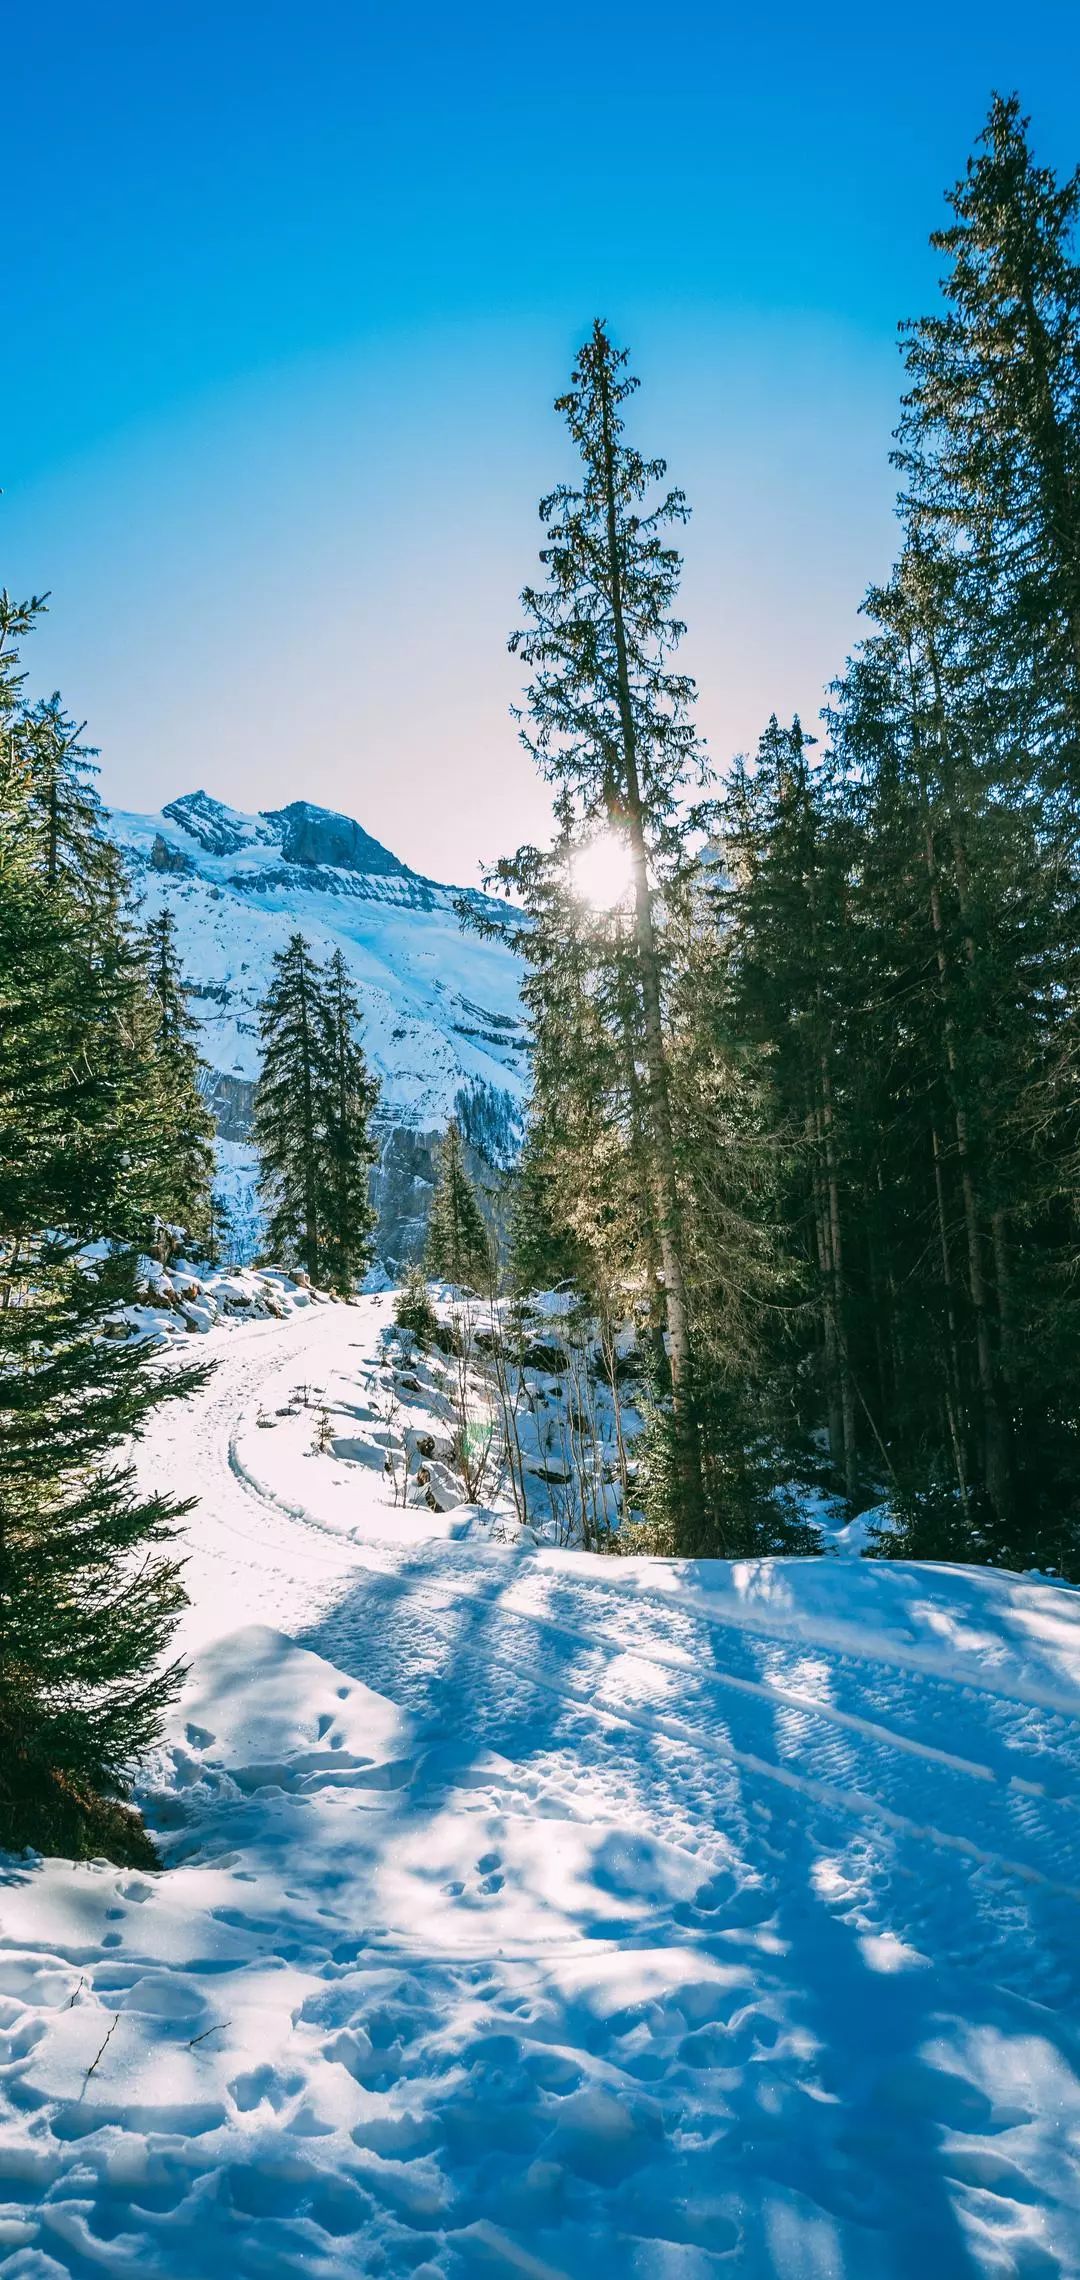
{"x": 540, "y": 1915}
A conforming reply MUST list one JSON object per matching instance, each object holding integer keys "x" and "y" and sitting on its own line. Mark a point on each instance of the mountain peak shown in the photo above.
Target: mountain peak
{"x": 311, "y": 836}
{"x": 218, "y": 829}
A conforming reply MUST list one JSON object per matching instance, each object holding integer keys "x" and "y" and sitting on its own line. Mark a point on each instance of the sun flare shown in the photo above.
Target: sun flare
{"x": 601, "y": 870}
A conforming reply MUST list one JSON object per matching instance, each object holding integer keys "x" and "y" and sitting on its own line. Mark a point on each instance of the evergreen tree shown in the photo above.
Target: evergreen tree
{"x": 186, "y": 1161}
{"x": 87, "y": 1590}
{"x": 459, "y": 1247}
{"x": 413, "y": 1310}
{"x": 990, "y": 441}
{"x": 62, "y": 808}
{"x": 610, "y": 723}
{"x": 220, "y": 1229}
{"x": 351, "y": 1098}
{"x": 291, "y": 1104}
{"x": 543, "y": 1252}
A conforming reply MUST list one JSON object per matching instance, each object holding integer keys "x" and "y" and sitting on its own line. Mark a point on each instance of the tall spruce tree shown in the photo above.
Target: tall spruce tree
{"x": 459, "y": 1246}
{"x": 989, "y": 446}
{"x": 352, "y": 1095}
{"x": 88, "y": 1590}
{"x": 609, "y": 722}
{"x": 186, "y": 1161}
{"x": 291, "y": 1104}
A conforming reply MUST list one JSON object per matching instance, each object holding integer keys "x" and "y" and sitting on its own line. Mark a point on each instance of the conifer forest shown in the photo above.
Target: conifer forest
{"x": 540, "y": 1420}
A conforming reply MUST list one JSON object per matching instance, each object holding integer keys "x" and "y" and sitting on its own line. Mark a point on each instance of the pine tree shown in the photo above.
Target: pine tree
{"x": 87, "y": 1590}
{"x": 990, "y": 441}
{"x": 63, "y": 810}
{"x": 290, "y": 1107}
{"x": 542, "y": 1251}
{"x": 220, "y": 1229}
{"x": 351, "y": 1099}
{"x": 186, "y": 1161}
{"x": 459, "y": 1247}
{"x": 610, "y": 723}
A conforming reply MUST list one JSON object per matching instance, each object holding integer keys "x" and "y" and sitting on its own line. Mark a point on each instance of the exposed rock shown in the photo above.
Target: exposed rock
{"x": 166, "y": 858}
{"x": 314, "y": 835}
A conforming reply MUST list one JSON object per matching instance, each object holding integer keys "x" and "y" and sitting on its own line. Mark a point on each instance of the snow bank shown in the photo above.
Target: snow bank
{"x": 189, "y": 1295}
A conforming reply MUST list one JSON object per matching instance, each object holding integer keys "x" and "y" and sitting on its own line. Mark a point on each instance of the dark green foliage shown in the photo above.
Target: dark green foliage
{"x": 88, "y": 1591}
{"x": 543, "y": 1252}
{"x": 610, "y": 722}
{"x": 459, "y": 1247}
{"x": 989, "y": 447}
{"x": 903, "y": 930}
{"x": 413, "y": 1310}
{"x": 867, "y": 1005}
{"x": 186, "y": 1152}
{"x": 290, "y": 1107}
{"x": 350, "y": 1151}
{"x": 313, "y": 1109}
{"x": 749, "y": 1516}
{"x": 220, "y": 1231}
{"x": 61, "y": 809}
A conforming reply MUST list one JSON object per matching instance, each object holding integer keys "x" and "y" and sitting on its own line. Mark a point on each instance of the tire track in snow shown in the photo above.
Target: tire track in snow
{"x": 850, "y": 1798}
{"x": 819, "y": 1773}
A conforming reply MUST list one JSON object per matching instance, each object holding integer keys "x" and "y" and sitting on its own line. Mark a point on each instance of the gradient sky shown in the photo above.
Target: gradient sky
{"x": 288, "y": 291}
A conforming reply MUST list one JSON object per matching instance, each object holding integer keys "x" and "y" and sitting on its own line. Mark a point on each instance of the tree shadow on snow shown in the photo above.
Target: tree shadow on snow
{"x": 786, "y": 2113}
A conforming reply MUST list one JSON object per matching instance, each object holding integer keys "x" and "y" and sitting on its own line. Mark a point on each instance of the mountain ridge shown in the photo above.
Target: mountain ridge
{"x": 443, "y": 1022}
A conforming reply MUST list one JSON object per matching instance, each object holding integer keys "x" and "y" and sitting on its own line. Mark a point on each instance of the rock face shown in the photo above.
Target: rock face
{"x": 443, "y": 1025}
{"x": 313, "y": 836}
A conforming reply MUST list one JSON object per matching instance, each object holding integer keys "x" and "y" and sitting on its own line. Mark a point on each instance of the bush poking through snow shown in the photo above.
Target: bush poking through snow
{"x": 413, "y": 1310}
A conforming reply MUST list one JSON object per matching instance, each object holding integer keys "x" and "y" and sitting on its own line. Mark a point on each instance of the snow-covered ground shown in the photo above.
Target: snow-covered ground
{"x": 540, "y": 1914}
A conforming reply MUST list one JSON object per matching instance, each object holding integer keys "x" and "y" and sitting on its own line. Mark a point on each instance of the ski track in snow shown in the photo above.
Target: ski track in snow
{"x": 537, "y": 1915}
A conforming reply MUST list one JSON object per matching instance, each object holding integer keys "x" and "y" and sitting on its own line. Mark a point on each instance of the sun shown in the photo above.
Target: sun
{"x": 601, "y": 870}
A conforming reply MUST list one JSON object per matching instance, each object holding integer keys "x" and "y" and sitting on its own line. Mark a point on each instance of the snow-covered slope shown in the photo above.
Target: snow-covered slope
{"x": 443, "y": 1017}
{"x": 550, "y": 1916}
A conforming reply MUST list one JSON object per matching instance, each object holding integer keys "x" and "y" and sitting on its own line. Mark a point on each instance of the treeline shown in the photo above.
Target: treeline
{"x": 806, "y": 1090}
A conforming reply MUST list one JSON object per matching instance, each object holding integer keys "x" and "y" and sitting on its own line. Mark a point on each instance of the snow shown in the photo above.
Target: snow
{"x": 534, "y": 1913}
{"x": 442, "y": 1010}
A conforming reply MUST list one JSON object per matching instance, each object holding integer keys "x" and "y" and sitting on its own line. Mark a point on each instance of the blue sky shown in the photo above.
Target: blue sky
{"x": 289, "y": 290}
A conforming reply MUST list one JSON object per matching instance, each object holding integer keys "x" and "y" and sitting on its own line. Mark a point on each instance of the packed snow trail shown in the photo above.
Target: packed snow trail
{"x": 545, "y": 1915}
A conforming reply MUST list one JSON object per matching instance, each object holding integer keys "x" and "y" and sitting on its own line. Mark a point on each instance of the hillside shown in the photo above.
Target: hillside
{"x": 443, "y": 1017}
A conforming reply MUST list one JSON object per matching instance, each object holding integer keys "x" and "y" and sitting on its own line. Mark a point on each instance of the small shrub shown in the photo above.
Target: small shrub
{"x": 413, "y": 1310}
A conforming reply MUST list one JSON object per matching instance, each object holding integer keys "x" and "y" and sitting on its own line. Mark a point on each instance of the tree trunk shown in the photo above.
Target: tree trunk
{"x": 829, "y": 1338}
{"x": 836, "y": 1256}
{"x": 953, "y": 1396}
{"x": 994, "y": 1463}
{"x": 639, "y": 1156}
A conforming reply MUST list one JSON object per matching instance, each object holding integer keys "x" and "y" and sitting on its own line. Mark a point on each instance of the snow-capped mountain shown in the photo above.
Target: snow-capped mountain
{"x": 443, "y": 1026}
